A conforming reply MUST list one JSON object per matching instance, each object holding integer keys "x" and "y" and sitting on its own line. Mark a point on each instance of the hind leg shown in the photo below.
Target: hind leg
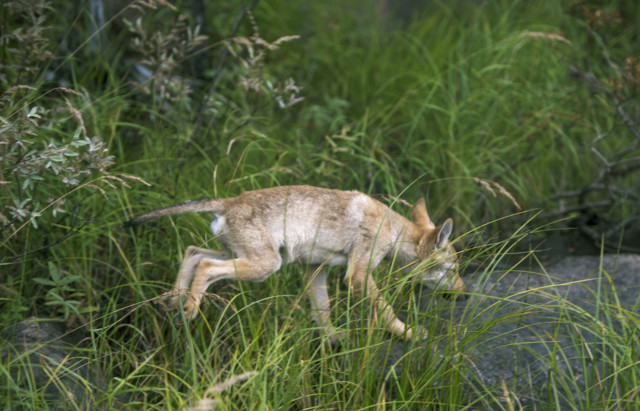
{"x": 192, "y": 257}
{"x": 209, "y": 270}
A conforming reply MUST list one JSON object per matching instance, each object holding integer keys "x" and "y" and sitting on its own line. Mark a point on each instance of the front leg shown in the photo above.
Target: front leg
{"x": 320, "y": 302}
{"x": 362, "y": 284}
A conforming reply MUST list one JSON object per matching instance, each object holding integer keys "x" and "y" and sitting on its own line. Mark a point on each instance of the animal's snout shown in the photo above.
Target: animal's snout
{"x": 457, "y": 291}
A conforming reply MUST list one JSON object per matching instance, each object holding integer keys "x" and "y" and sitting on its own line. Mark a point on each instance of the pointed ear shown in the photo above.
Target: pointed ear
{"x": 420, "y": 216}
{"x": 445, "y": 232}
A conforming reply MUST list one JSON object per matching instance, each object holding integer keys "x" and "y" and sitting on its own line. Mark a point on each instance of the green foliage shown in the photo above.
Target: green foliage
{"x": 45, "y": 149}
{"x": 60, "y": 295}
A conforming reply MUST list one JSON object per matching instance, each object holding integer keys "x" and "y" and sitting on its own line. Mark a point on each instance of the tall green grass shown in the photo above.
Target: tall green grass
{"x": 266, "y": 329}
{"x": 427, "y": 107}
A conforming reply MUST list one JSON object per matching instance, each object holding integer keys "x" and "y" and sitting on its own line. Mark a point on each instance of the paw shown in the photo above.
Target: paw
{"x": 163, "y": 301}
{"x": 174, "y": 300}
{"x": 417, "y": 334}
{"x": 180, "y": 317}
{"x": 171, "y": 300}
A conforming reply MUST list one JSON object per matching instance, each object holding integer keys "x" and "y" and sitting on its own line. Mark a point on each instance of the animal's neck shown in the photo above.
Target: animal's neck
{"x": 406, "y": 235}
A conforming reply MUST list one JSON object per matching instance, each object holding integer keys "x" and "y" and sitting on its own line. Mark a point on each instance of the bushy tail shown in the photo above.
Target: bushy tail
{"x": 194, "y": 206}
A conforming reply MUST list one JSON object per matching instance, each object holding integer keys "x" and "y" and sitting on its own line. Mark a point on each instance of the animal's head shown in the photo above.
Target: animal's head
{"x": 437, "y": 259}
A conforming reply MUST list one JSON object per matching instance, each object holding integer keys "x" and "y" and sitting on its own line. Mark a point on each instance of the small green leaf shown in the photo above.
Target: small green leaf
{"x": 53, "y": 272}
{"x": 44, "y": 281}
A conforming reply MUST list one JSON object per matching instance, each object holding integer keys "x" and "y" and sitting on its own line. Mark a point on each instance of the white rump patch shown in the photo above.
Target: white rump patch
{"x": 217, "y": 223}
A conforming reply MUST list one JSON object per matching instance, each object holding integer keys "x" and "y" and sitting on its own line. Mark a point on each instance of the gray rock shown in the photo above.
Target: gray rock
{"x": 44, "y": 358}
{"x": 532, "y": 344}
{"x": 520, "y": 327}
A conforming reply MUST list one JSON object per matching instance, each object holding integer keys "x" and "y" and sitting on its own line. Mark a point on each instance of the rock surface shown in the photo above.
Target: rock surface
{"x": 42, "y": 356}
{"x": 526, "y": 321}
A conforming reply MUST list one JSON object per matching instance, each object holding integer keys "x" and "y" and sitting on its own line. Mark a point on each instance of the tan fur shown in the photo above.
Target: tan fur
{"x": 264, "y": 229}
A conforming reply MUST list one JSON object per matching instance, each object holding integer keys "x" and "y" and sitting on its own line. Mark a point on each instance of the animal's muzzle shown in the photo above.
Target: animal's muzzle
{"x": 457, "y": 291}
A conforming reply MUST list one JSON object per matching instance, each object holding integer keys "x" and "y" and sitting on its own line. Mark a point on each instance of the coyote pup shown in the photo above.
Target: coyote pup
{"x": 264, "y": 229}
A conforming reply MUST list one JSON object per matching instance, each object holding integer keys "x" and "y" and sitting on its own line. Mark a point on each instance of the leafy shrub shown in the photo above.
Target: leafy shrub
{"x": 46, "y": 151}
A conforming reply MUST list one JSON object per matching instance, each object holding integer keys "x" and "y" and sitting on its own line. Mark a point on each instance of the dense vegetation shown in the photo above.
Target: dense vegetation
{"x": 486, "y": 108}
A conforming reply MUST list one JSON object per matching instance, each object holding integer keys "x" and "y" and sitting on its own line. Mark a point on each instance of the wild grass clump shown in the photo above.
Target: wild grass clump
{"x": 486, "y": 109}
